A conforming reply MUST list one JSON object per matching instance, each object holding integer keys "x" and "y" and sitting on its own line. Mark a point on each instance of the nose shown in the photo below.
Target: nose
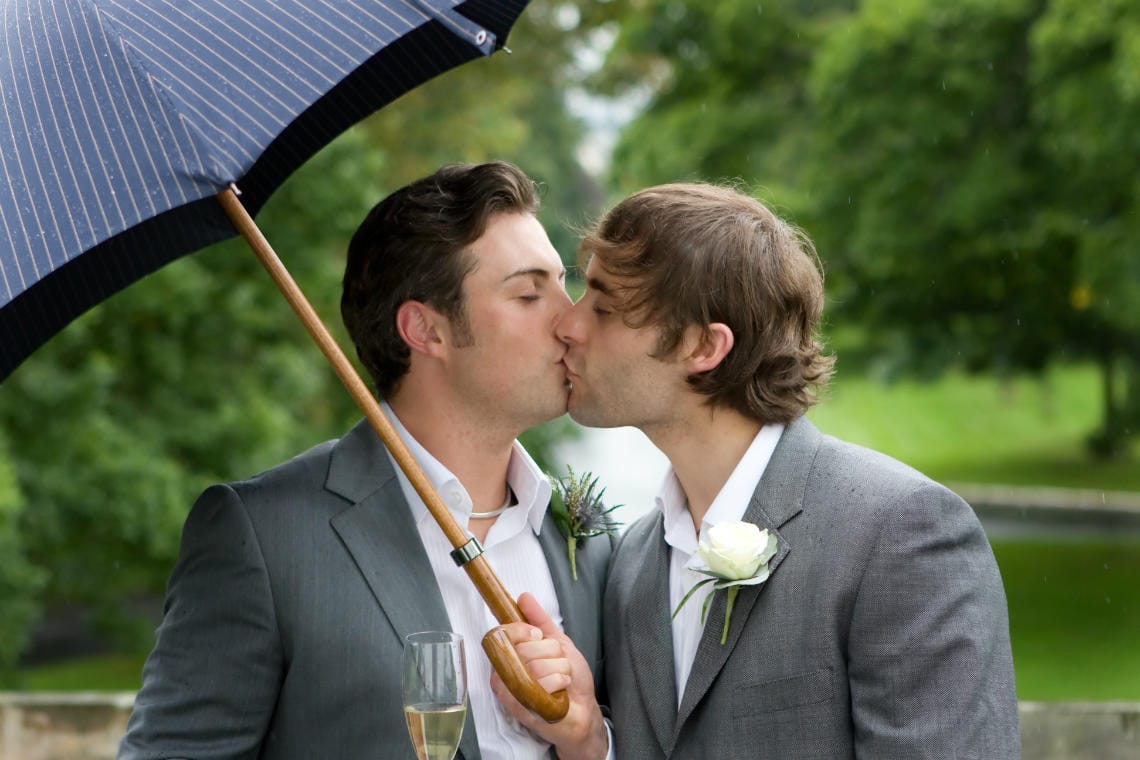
{"x": 569, "y": 327}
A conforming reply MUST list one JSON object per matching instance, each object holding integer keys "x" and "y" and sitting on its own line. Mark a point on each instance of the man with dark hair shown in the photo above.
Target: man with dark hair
{"x": 286, "y": 613}
{"x": 854, "y": 607}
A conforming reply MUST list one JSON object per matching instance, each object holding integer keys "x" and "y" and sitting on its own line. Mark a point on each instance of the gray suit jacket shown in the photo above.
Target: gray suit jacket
{"x": 285, "y": 615}
{"x": 882, "y": 632}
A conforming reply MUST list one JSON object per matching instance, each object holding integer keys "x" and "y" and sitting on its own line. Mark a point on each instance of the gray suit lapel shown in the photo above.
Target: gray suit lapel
{"x": 571, "y": 603}
{"x": 651, "y": 634}
{"x": 777, "y": 499}
{"x": 379, "y": 533}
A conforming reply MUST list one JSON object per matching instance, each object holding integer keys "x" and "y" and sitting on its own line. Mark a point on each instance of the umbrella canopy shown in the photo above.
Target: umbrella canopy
{"x": 126, "y": 127}
{"x": 120, "y": 120}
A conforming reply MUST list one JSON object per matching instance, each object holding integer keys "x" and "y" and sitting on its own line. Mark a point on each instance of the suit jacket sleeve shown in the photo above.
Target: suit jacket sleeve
{"x": 219, "y": 610}
{"x": 930, "y": 665}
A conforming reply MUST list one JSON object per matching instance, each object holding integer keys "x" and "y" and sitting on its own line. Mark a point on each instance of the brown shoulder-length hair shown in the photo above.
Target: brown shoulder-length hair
{"x": 413, "y": 246}
{"x": 694, "y": 254}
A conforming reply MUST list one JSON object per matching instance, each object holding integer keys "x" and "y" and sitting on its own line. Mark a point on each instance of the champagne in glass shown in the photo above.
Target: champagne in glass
{"x": 435, "y": 692}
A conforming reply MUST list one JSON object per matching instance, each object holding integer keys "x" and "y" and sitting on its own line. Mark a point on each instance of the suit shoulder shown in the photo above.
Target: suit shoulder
{"x": 849, "y": 462}
{"x": 310, "y": 466}
{"x": 279, "y": 486}
{"x": 635, "y": 537}
{"x": 866, "y": 486}
{"x": 641, "y": 528}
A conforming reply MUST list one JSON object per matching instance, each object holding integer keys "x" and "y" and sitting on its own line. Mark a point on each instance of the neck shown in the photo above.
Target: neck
{"x": 478, "y": 455}
{"x": 704, "y": 449}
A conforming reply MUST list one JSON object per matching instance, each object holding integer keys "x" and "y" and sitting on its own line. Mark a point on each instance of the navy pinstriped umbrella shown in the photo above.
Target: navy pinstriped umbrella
{"x": 120, "y": 120}
{"x": 127, "y": 128}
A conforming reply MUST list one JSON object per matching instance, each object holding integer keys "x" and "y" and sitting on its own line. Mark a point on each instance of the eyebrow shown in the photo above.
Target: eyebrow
{"x": 599, "y": 286}
{"x": 535, "y": 272}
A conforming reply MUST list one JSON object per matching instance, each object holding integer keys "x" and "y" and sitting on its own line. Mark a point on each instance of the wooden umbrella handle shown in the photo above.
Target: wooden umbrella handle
{"x": 501, "y": 652}
{"x": 507, "y": 664}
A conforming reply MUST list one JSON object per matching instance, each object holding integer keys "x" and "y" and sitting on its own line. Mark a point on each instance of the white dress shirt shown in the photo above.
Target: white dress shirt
{"x": 729, "y": 505}
{"x": 514, "y": 553}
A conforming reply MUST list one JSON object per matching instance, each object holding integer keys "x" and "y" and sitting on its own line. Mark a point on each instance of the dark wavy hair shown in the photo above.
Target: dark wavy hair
{"x": 413, "y": 246}
{"x": 695, "y": 254}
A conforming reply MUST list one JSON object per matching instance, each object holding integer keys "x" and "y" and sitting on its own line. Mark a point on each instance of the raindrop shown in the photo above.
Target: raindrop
{"x": 1108, "y": 600}
{"x": 990, "y": 65}
{"x": 943, "y": 85}
{"x": 1105, "y": 565}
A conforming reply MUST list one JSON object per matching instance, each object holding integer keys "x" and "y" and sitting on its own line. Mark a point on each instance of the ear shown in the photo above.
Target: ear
{"x": 418, "y": 325}
{"x": 709, "y": 347}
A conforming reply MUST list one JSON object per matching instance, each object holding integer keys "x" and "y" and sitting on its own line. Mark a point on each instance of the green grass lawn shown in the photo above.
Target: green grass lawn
{"x": 118, "y": 672}
{"x": 981, "y": 430}
{"x": 1074, "y": 613}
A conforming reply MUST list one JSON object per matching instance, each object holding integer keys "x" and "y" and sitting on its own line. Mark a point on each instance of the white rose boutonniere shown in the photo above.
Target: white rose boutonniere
{"x": 732, "y": 554}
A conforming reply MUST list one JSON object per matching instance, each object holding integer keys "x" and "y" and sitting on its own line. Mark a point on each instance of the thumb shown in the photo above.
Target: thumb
{"x": 536, "y": 615}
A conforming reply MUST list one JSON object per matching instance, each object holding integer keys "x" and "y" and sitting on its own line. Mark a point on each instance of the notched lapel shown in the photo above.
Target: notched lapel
{"x": 711, "y": 654}
{"x": 569, "y": 592}
{"x": 651, "y": 635}
{"x": 379, "y": 533}
{"x": 778, "y": 498}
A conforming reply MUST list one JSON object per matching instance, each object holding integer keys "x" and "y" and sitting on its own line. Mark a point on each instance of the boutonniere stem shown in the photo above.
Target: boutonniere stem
{"x": 579, "y": 512}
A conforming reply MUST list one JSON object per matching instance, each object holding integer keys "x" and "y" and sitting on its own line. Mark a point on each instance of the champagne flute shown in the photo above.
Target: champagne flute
{"x": 435, "y": 692}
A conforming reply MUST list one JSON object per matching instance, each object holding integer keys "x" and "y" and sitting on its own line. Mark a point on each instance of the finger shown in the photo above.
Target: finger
{"x": 554, "y": 682}
{"x": 536, "y": 615}
{"x": 552, "y": 674}
{"x": 519, "y": 633}
{"x": 543, "y": 649}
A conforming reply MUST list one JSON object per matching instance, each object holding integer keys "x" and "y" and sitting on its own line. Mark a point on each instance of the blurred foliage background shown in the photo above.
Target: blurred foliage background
{"x": 967, "y": 171}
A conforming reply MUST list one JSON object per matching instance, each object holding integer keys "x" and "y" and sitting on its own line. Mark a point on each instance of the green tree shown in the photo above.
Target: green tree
{"x": 19, "y": 580}
{"x": 954, "y": 232}
{"x": 198, "y": 373}
{"x": 728, "y": 96}
{"x": 510, "y": 107}
{"x": 1085, "y": 74}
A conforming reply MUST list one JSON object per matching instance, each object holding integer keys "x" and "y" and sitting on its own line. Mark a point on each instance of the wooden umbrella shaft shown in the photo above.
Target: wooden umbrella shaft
{"x": 503, "y": 607}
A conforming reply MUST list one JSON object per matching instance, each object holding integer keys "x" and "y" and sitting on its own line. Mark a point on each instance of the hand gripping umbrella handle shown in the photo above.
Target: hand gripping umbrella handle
{"x": 502, "y": 654}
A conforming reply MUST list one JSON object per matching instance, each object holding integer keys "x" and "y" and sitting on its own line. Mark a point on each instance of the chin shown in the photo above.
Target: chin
{"x": 589, "y": 416}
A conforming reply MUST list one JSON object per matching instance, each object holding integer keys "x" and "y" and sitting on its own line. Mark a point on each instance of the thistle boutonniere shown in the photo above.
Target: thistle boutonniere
{"x": 733, "y": 554}
{"x": 578, "y": 511}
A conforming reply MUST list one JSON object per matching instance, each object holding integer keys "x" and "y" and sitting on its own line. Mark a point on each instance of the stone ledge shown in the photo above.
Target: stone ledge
{"x": 1080, "y": 730}
{"x": 1062, "y": 499}
{"x": 89, "y": 725}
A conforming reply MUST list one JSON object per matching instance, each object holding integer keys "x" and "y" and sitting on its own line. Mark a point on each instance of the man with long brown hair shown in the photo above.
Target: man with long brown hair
{"x": 851, "y": 607}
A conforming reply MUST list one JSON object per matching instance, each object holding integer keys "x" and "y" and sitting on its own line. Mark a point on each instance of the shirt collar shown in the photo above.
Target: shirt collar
{"x": 531, "y": 487}
{"x": 731, "y": 501}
